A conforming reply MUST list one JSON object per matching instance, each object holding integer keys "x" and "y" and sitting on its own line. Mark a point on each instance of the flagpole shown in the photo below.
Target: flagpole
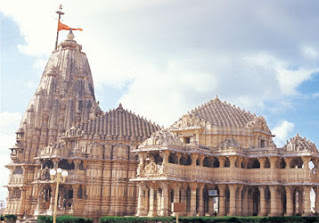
{"x": 57, "y": 33}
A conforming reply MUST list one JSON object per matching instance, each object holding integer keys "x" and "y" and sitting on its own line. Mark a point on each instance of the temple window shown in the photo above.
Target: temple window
{"x": 282, "y": 164}
{"x": 207, "y": 162}
{"x": 262, "y": 143}
{"x": 48, "y": 163}
{"x": 267, "y": 163}
{"x": 296, "y": 163}
{"x": 187, "y": 140}
{"x": 64, "y": 164}
{"x": 158, "y": 159}
{"x": 215, "y": 162}
{"x": 173, "y": 158}
{"x": 18, "y": 170}
{"x": 253, "y": 164}
{"x": 197, "y": 162}
{"x": 227, "y": 162}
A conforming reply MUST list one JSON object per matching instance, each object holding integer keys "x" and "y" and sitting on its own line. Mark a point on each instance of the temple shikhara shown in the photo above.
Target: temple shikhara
{"x": 217, "y": 159}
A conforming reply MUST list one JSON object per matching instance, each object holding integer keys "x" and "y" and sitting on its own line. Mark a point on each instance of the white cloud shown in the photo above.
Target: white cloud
{"x": 315, "y": 95}
{"x": 282, "y": 132}
{"x": 309, "y": 52}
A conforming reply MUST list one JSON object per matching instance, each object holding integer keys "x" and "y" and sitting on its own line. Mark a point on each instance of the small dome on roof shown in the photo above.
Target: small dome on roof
{"x": 163, "y": 138}
{"x": 299, "y": 144}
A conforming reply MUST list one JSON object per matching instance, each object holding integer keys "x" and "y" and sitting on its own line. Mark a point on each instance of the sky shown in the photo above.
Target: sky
{"x": 161, "y": 58}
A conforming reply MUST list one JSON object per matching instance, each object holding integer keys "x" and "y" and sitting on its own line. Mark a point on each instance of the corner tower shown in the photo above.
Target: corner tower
{"x": 64, "y": 98}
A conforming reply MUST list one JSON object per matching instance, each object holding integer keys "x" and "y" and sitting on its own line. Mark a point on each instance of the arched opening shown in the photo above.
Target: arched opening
{"x": 253, "y": 164}
{"x": 48, "y": 163}
{"x": 18, "y": 170}
{"x": 65, "y": 197}
{"x": 227, "y": 162}
{"x": 282, "y": 164}
{"x": 215, "y": 162}
{"x": 227, "y": 196}
{"x": 256, "y": 201}
{"x": 158, "y": 159}
{"x": 173, "y": 158}
{"x": 297, "y": 201}
{"x": 186, "y": 160}
{"x": 296, "y": 163}
{"x": 267, "y": 163}
{"x": 207, "y": 162}
{"x": 66, "y": 165}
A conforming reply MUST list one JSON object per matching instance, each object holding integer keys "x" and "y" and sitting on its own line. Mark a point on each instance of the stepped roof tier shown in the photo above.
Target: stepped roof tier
{"x": 223, "y": 114}
{"x": 115, "y": 124}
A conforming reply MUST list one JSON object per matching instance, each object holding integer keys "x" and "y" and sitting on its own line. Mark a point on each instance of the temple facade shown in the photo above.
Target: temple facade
{"x": 215, "y": 160}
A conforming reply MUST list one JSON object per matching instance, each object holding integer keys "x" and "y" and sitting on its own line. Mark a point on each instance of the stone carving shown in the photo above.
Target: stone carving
{"x": 151, "y": 168}
{"x": 230, "y": 143}
{"x": 163, "y": 138}
{"x": 259, "y": 123}
{"x": 299, "y": 144}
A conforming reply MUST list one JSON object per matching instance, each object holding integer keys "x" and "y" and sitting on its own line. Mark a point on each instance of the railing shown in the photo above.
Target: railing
{"x": 199, "y": 173}
{"x": 76, "y": 176}
{"x": 16, "y": 179}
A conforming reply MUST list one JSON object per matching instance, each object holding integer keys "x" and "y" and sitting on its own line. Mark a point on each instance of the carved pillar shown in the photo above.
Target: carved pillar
{"x": 165, "y": 156}
{"x": 222, "y": 199}
{"x": 179, "y": 155}
{"x": 201, "y": 159}
{"x": 262, "y": 201}
{"x": 288, "y": 161}
{"x": 306, "y": 160}
{"x": 176, "y": 192}
{"x": 151, "y": 211}
{"x": 193, "y": 187}
{"x": 183, "y": 196}
{"x": 262, "y": 161}
{"x": 221, "y": 160}
{"x": 55, "y": 163}
{"x": 232, "y": 160}
{"x": 289, "y": 201}
{"x": 245, "y": 202}
{"x": 306, "y": 201}
{"x": 165, "y": 198}
{"x": 317, "y": 199}
{"x": 273, "y": 161}
{"x": 210, "y": 205}
{"x": 232, "y": 199}
{"x": 140, "y": 200}
{"x": 201, "y": 200}
{"x": 77, "y": 164}
{"x": 273, "y": 201}
{"x": 239, "y": 201}
{"x": 194, "y": 158}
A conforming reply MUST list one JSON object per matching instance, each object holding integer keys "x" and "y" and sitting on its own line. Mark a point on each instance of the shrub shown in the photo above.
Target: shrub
{"x": 10, "y": 218}
{"x": 63, "y": 219}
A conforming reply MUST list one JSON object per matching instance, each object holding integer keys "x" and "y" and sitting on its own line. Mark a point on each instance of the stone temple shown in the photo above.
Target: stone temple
{"x": 119, "y": 163}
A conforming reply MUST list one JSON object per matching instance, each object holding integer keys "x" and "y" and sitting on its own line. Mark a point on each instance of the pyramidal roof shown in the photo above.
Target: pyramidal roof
{"x": 116, "y": 123}
{"x": 223, "y": 114}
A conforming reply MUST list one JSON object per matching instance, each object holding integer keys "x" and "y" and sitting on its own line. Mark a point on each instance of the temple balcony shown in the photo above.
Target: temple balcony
{"x": 227, "y": 174}
{"x": 16, "y": 179}
{"x": 76, "y": 176}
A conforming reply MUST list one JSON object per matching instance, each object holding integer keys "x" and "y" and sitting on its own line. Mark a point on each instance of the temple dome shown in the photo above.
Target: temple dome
{"x": 115, "y": 124}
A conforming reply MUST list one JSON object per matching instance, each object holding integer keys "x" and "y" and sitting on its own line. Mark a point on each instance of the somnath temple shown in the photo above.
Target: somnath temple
{"x": 119, "y": 163}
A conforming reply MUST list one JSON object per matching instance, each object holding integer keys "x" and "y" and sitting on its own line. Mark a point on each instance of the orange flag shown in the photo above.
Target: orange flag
{"x": 65, "y": 27}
